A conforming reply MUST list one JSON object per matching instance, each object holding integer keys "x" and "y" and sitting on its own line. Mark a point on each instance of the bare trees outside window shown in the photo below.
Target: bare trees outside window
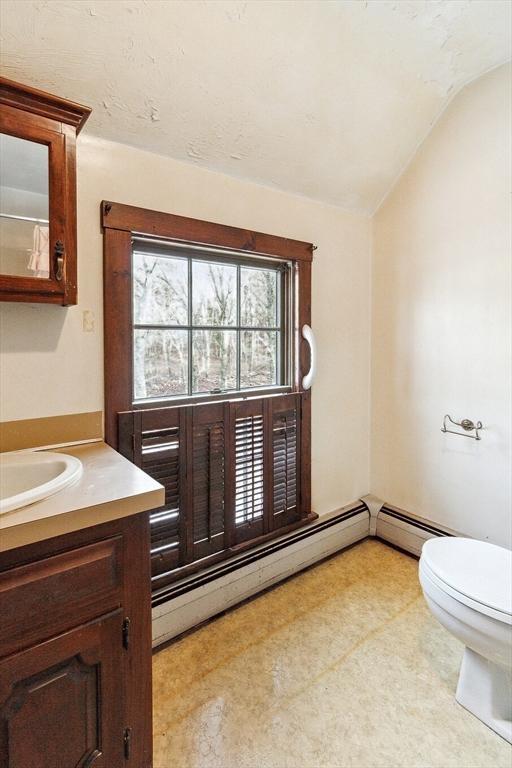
{"x": 205, "y": 326}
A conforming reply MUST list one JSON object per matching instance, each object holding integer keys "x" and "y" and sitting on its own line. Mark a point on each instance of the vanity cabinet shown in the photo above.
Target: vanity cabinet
{"x": 75, "y": 650}
{"x": 38, "y": 195}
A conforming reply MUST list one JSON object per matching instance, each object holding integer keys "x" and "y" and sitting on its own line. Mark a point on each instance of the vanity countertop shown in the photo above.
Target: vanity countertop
{"x": 110, "y": 487}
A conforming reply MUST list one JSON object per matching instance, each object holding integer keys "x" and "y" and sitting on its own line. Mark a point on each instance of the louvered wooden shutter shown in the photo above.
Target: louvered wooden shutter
{"x": 284, "y": 417}
{"x": 185, "y": 449}
{"x": 250, "y": 461}
{"x": 231, "y": 473}
{"x": 207, "y": 478}
{"x": 155, "y": 441}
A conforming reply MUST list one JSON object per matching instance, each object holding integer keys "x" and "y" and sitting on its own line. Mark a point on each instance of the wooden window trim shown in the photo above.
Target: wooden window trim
{"x": 141, "y": 221}
{"x": 121, "y": 224}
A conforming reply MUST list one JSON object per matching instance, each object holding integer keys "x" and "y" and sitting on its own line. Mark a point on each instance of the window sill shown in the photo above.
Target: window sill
{"x": 216, "y": 397}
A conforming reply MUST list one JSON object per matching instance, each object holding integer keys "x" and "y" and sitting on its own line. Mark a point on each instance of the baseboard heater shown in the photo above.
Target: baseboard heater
{"x": 192, "y": 600}
{"x": 406, "y": 531}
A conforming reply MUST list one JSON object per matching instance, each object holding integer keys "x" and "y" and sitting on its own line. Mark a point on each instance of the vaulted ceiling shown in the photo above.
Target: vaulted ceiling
{"x": 323, "y": 98}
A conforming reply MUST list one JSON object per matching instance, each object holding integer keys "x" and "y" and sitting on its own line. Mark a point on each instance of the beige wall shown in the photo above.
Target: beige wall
{"x": 50, "y": 365}
{"x": 441, "y": 321}
{"x": 441, "y": 314}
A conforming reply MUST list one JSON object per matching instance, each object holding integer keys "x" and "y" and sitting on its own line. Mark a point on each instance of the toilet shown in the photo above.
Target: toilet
{"x": 468, "y": 587}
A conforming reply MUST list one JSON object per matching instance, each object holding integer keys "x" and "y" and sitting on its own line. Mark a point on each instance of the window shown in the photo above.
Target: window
{"x": 205, "y": 324}
{"x": 204, "y": 364}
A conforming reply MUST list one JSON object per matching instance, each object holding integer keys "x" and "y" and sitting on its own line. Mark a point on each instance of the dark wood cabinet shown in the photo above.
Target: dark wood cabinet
{"x": 75, "y": 650}
{"x": 60, "y": 700}
{"x": 38, "y": 260}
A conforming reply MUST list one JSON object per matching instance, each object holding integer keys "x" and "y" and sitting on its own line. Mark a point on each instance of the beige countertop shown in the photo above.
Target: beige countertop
{"x": 110, "y": 487}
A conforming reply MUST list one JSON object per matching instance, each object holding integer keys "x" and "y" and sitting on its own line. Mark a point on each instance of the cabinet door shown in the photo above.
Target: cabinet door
{"x": 61, "y": 701}
{"x": 31, "y": 222}
{"x": 38, "y": 194}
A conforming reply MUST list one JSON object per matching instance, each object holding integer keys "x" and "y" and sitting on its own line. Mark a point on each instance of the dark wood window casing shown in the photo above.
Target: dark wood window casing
{"x": 236, "y": 468}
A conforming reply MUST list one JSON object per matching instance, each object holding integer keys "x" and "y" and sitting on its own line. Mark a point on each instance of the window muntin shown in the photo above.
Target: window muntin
{"x": 204, "y": 325}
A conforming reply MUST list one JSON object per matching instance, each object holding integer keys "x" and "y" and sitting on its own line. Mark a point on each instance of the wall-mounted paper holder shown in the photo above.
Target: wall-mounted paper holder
{"x": 466, "y": 424}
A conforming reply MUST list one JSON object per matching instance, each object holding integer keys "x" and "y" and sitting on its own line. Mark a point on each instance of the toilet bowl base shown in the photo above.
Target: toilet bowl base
{"x": 485, "y": 690}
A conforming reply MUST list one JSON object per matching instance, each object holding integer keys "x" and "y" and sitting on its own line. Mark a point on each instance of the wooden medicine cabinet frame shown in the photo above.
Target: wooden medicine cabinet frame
{"x": 34, "y": 115}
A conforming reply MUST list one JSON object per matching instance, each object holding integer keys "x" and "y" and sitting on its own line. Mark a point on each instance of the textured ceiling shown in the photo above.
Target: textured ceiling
{"x": 326, "y": 99}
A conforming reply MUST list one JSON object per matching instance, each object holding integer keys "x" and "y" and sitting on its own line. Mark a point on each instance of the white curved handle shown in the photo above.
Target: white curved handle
{"x": 309, "y": 336}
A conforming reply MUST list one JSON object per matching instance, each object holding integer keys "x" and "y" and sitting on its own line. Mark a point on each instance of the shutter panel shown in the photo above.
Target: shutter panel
{"x": 250, "y": 464}
{"x": 285, "y": 484}
{"x": 160, "y": 459}
{"x": 231, "y": 473}
{"x": 208, "y": 480}
{"x": 249, "y": 469}
{"x": 158, "y": 438}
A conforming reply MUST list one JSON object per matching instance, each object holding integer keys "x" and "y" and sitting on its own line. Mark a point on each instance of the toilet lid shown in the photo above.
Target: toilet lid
{"x": 476, "y": 569}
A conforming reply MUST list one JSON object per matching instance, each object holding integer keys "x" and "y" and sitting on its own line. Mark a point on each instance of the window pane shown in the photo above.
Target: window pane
{"x": 258, "y": 358}
{"x": 213, "y": 360}
{"x": 160, "y": 363}
{"x": 160, "y": 288}
{"x": 258, "y": 300}
{"x": 213, "y": 293}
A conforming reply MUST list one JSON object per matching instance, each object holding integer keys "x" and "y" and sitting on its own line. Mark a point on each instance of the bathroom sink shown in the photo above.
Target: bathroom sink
{"x": 31, "y": 476}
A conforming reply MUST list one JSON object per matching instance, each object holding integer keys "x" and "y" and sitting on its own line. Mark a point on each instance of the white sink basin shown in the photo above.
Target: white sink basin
{"x": 32, "y": 476}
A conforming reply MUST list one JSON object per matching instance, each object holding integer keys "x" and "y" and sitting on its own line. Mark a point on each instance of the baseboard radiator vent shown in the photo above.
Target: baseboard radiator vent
{"x": 199, "y": 597}
{"x": 406, "y": 531}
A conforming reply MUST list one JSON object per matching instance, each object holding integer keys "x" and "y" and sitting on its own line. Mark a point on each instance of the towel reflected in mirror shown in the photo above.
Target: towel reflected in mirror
{"x": 39, "y": 261}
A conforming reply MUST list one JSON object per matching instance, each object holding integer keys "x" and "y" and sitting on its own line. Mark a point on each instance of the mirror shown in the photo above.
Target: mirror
{"x": 24, "y": 207}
